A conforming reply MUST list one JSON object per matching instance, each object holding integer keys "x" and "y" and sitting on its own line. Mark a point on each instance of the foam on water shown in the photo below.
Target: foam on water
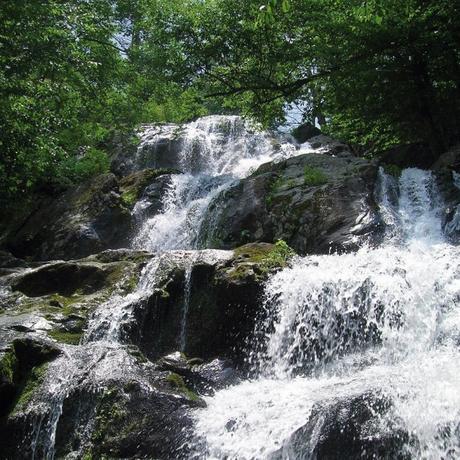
{"x": 215, "y": 152}
{"x": 382, "y": 320}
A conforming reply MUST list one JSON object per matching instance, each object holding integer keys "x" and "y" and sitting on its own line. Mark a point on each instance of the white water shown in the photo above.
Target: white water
{"x": 383, "y": 321}
{"x": 216, "y": 151}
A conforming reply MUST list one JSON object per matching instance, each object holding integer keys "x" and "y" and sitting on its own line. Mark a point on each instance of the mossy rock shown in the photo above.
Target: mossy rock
{"x": 22, "y": 371}
{"x": 133, "y": 185}
{"x": 258, "y": 260}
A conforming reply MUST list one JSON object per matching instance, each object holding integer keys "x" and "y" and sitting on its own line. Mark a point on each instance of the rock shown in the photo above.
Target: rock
{"x": 217, "y": 374}
{"x": 330, "y": 146}
{"x": 64, "y": 278}
{"x": 348, "y": 427}
{"x": 159, "y": 148}
{"x": 121, "y": 255}
{"x": 149, "y": 182}
{"x": 315, "y": 202}
{"x": 17, "y": 363}
{"x": 56, "y": 303}
{"x": 7, "y": 260}
{"x": 82, "y": 221}
{"x": 56, "y": 299}
{"x": 449, "y": 160}
{"x": 304, "y": 132}
{"x": 221, "y": 302}
{"x": 448, "y": 183}
{"x": 118, "y": 407}
{"x": 416, "y": 155}
{"x": 204, "y": 378}
{"x": 152, "y": 196}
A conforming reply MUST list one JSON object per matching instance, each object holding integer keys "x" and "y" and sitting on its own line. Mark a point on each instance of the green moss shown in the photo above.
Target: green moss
{"x": 133, "y": 185}
{"x": 8, "y": 366}
{"x": 276, "y": 183}
{"x": 130, "y": 284}
{"x": 71, "y": 338}
{"x": 32, "y": 382}
{"x": 178, "y": 383}
{"x": 279, "y": 255}
{"x": 313, "y": 176}
{"x": 260, "y": 254}
{"x": 110, "y": 415}
{"x": 393, "y": 170}
{"x": 129, "y": 198}
{"x": 260, "y": 259}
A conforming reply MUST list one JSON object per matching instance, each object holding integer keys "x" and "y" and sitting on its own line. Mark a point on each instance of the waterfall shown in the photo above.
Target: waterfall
{"x": 214, "y": 152}
{"x": 382, "y": 321}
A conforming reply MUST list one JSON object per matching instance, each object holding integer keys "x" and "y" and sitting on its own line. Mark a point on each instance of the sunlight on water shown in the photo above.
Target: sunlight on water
{"x": 379, "y": 321}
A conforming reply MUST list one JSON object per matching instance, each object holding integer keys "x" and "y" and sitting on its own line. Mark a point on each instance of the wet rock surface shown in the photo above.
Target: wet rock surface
{"x": 85, "y": 220}
{"x": 315, "y": 202}
{"x": 223, "y": 295}
{"x": 347, "y": 428}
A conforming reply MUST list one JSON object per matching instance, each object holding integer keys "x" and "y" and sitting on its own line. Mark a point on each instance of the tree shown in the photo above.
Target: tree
{"x": 380, "y": 72}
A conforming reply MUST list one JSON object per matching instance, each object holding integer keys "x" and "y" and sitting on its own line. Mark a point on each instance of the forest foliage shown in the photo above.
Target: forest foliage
{"x": 76, "y": 74}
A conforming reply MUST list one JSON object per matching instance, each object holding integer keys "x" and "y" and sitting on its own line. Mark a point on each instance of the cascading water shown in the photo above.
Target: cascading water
{"x": 215, "y": 152}
{"x": 382, "y": 321}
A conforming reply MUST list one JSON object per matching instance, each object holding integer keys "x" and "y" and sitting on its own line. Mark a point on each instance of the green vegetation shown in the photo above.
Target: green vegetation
{"x": 373, "y": 73}
{"x": 31, "y": 384}
{"x": 262, "y": 258}
{"x": 178, "y": 383}
{"x": 278, "y": 256}
{"x": 76, "y": 74}
{"x": 8, "y": 364}
{"x": 71, "y": 338}
{"x": 110, "y": 415}
{"x": 393, "y": 170}
{"x": 132, "y": 185}
{"x": 313, "y": 176}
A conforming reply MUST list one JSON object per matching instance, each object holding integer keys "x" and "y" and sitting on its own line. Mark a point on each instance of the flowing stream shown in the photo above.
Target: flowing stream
{"x": 382, "y": 322}
{"x": 214, "y": 153}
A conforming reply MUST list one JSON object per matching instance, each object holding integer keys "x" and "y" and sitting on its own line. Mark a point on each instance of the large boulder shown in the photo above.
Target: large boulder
{"x": 350, "y": 427}
{"x": 101, "y": 402}
{"x": 20, "y": 365}
{"x": 82, "y": 221}
{"x": 315, "y": 202}
{"x": 448, "y": 183}
{"x": 449, "y": 160}
{"x": 159, "y": 147}
{"x": 56, "y": 299}
{"x": 87, "y": 219}
{"x": 304, "y": 132}
{"x": 204, "y": 303}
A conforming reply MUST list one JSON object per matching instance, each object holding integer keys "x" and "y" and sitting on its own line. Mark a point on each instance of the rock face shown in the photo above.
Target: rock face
{"x": 160, "y": 147}
{"x": 344, "y": 429}
{"x": 82, "y": 221}
{"x": 205, "y": 306}
{"x": 415, "y": 155}
{"x": 315, "y": 202}
{"x": 136, "y": 411}
{"x": 124, "y": 400}
{"x": 87, "y": 219}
